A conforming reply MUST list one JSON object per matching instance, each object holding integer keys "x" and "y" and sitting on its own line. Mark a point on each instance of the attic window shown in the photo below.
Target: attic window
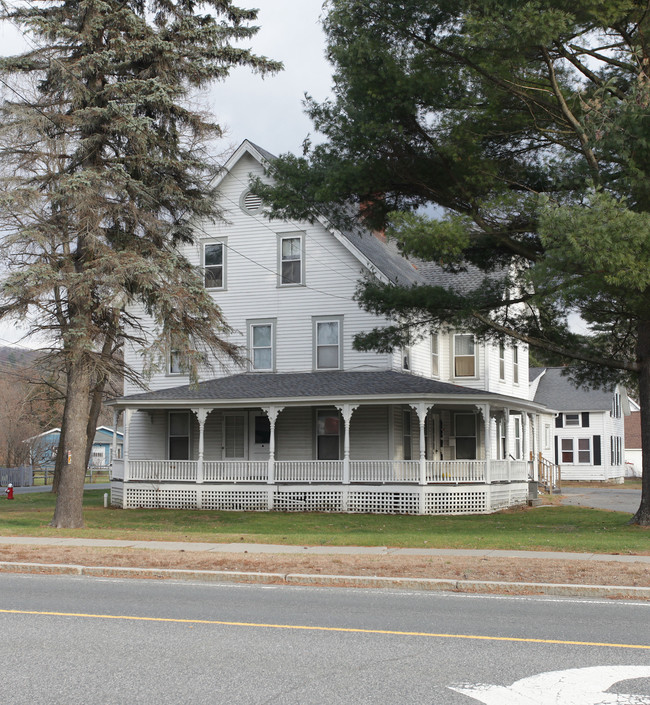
{"x": 250, "y": 203}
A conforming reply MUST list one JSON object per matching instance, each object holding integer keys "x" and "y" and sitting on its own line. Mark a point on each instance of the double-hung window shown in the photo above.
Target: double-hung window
{"x": 175, "y": 363}
{"x": 465, "y": 436}
{"x": 406, "y": 434}
{"x": 515, "y": 365}
{"x": 328, "y": 344}
{"x": 435, "y": 357}
{"x": 179, "y": 435}
{"x": 567, "y": 450}
{"x": 518, "y": 442}
{"x": 261, "y": 339}
{"x": 584, "y": 450}
{"x": 502, "y": 360}
{"x": 214, "y": 265}
{"x": 464, "y": 356}
{"x": 291, "y": 260}
{"x": 328, "y": 424}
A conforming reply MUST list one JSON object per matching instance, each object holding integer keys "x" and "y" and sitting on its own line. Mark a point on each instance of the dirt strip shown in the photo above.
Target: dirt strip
{"x": 528, "y": 570}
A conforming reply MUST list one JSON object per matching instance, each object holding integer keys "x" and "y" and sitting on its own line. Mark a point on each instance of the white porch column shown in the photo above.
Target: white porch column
{"x": 116, "y": 414}
{"x": 506, "y": 420}
{"x": 201, "y": 416}
{"x": 125, "y": 449}
{"x": 272, "y": 413}
{"x": 346, "y": 412}
{"x": 487, "y": 440}
{"x": 525, "y": 440}
{"x": 422, "y": 409}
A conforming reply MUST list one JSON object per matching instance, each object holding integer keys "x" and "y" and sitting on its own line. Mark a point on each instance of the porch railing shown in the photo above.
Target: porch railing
{"x": 309, "y": 471}
{"x": 370, "y": 471}
{"x": 508, "y": 470}
{"x": 384, "y": 471}
{"x": 235, "y": 470}
{"x": 455, "y": 471}
{"x": 163, "y": 470}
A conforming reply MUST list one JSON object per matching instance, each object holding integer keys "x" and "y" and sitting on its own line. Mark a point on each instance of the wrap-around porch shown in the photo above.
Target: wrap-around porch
{"x": 431, "y": 455}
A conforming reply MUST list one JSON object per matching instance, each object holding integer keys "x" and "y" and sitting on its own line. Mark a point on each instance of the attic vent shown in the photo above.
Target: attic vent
{"x": 250, "y": 203}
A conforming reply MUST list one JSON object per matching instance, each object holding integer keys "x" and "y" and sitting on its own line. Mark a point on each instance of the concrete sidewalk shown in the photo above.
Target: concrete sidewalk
{"x": 403, "y": 583}
{"x": 252, "y": 548}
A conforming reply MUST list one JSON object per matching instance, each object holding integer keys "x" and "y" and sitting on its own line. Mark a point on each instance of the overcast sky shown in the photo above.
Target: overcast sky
{"x": 267, "y": 111}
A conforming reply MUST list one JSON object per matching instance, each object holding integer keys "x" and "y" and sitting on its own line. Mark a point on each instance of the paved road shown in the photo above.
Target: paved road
{"x": 620, "y": 500}
{"x": 48, "y": 488}
{"x": 114, "y": 641}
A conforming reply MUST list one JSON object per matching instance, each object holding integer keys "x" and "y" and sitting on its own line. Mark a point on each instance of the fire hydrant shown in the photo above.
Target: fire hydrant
{"x": 10, "y": 491}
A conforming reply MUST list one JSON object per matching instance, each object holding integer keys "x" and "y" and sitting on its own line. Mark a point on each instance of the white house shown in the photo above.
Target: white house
{"x": 587, "y": 429}
{"x": 444, "y": 427}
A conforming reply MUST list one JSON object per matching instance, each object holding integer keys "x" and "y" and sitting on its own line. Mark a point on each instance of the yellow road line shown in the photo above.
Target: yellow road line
{"x": 327, "y": 629}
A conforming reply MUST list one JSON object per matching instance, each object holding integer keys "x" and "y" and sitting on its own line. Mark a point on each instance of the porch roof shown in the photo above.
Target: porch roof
{"x": 316, "y": 386}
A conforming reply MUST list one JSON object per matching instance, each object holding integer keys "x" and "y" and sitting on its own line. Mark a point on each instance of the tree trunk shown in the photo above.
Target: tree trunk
{"x": 642, "y": 517}
{"x": 68, "y": 513}
{"x": 95, "y": 409}
{"x": 59, "y": 460}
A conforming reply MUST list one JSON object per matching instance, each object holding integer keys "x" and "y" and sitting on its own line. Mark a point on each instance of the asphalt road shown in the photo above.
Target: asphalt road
{"x": 620, "y": 500}
{"x": 137, "y": 641}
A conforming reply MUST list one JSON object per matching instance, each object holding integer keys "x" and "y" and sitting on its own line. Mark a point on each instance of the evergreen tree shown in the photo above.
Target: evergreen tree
{"x": 527, "y": 125}
{"x": 104, "y": 171}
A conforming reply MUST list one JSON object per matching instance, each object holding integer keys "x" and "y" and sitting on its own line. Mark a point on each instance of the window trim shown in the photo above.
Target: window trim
{"x": 224, "y": 269}
{"x": 567, "y": 450}
{"x": 454, "y": 356}
{"x": 316, "y": 320}
{"x": 582, "y": 450}
{"x": 294, "y": 235}
{"x": 252, "y": 323}
{"x": 515, "y": 364}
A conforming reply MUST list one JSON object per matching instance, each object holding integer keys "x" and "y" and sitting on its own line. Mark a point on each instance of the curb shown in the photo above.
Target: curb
{"x": 420, "y": 584}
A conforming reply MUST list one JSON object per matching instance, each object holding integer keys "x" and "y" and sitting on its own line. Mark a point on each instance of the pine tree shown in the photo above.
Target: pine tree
{"x": 526, "y": 125}
{"x": 105, "y": 169}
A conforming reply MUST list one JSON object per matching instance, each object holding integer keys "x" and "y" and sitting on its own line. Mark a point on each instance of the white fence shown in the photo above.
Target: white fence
{"x": 508, "y": 470}
{"x": 167, "y": 470}
{"x": 384, "y": 471}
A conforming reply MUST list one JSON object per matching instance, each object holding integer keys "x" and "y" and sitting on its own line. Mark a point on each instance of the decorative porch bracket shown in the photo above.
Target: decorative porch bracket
{"x": 485, "y": 413}
{"x": 422, "y": 409}
{"x": 272, "y": 413}
{"x": 346, "y": 412}
{"x": 201, "y": 417}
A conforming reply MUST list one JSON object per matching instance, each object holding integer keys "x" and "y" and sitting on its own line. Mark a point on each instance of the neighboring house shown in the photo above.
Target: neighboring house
{"x": 43, "y": 448}
{"x": 445, "y": 426}
{"x": 633, "y": 451}
{"x": 587, "y": 428}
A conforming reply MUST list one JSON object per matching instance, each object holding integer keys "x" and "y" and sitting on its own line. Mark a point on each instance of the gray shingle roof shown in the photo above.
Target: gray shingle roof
{"x": 558, "y": 392}
{"x": 339, "y": 384}
{"x": 386, "y": 257}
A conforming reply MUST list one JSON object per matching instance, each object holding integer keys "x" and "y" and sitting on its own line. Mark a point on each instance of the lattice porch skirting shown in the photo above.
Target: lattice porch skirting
{"x": 365, "y": 499}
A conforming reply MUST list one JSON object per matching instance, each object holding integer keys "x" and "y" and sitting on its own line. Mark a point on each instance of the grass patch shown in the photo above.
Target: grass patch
{"x": 557, "y": 528}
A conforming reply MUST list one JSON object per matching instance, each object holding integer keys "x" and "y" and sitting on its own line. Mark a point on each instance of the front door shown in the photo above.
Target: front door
{"x": 259, "y": 432}
{"x": 436, "y": 437}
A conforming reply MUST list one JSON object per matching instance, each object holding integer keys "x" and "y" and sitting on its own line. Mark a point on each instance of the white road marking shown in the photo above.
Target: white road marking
{"x": 576, "y": 686}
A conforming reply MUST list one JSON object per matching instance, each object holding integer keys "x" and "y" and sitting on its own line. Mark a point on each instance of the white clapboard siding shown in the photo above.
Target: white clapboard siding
{"x": 369, "y": 433}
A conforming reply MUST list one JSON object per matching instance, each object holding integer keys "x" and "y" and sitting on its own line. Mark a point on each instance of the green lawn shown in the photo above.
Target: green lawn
{"x": 541, "y": 528}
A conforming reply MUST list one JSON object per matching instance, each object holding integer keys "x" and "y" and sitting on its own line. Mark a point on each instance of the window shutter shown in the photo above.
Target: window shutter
{"x": 557, "y": 457}
{"x": 597, "y": 450}
{"x": 558, "y": 422}
{"x": 585, "y": 419}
